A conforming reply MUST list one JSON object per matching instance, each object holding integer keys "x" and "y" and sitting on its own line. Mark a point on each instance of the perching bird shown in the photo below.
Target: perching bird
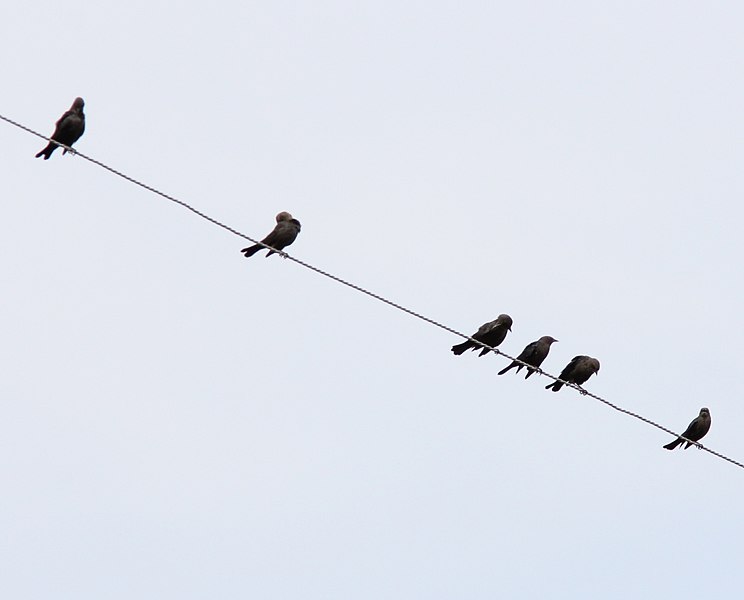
{"x": 492, "y": 334}
{"x": 695, "y": 431}
{"x": 577, "y": 371}
{"x": 284, "y": 234}
{"x": 533, "y": 354}
{"x": 68, "y": 129}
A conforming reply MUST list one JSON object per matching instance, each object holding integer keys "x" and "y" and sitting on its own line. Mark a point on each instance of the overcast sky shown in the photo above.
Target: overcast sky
{"x": 181, "y": 422}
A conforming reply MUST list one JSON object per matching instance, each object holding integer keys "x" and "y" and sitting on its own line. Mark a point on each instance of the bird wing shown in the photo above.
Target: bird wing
{"x": 64, "y": 117}
{"x": 697, "y": 429}
{"x": 528, "y": 352}
{"x": 270, "y": 239}
{"x": 69, "y": 128}
{"x": 570, "y": 367}
{"x": 484, "y": 329}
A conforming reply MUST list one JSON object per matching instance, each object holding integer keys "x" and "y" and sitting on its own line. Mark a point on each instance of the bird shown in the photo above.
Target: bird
{"x": 67, "y": 130}
{"x": 577, "y": 371}
{"x": 491, "y": 334}
{"x": 695, "y": 431}
{"x": 284, "y": 233}
{"x": 534, "y": 354}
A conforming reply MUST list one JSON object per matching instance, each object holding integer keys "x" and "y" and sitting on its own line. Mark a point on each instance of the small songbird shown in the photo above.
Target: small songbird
{"x": 284, "y": 233}
{"x": 695, "y": 431}
{"x": 534, "y": 354}
{"x": 491, "y": 334}
{"x": 68, "y": 129}
{"x": 577, "y": 371}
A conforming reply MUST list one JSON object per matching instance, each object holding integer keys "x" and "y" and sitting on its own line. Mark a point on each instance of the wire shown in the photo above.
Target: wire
{"x": 369, "y": 293}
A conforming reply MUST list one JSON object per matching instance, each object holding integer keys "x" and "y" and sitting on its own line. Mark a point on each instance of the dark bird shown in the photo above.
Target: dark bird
{"x": 284, "y": 234}
{"x": 695, "y": 431}
{"x": 577, "y": 371}
{"x": 491, "y": 334}
{"x": 68, "y": 129}
{"x": 534, "y": 354}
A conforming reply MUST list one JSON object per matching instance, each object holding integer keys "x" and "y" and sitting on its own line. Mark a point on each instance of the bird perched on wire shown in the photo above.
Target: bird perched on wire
{"x": 284, "y": 233}
{"x": 533, "y": 354}
{"x": 577, "y": 371}
{"x": 695, "y": 431}
{"x": 68, "y": 129}
{"x": 491, "y": 334}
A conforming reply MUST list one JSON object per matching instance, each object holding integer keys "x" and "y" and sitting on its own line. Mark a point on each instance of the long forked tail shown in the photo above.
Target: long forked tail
{"x": 674, "y": 444}
{"x": 505, "y": 369}
{"x": 251, "y": 250}
{"x": 555, "y": 386}
{"x": 47, "y": 152}
{"x": 460, "y": 348}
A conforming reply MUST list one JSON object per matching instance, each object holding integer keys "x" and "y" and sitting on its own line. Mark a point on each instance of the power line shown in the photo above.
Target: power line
{"x": 367, "y": 292}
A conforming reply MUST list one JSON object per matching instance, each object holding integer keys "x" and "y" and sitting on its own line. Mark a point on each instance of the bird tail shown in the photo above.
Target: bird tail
{"x": 460, "y": 348}
{"x": 529, "y": 372}
{"x": 674, "y": 444}
{"x": 505, "y": 369}
{"x": 251, "y": 250}
{"x": 47, "y": 152}
{"x": 555, "y": 386}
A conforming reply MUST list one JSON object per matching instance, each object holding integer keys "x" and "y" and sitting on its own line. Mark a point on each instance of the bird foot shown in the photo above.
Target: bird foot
{"x": 284, "y": 255}
{"x": 582, "y": 391}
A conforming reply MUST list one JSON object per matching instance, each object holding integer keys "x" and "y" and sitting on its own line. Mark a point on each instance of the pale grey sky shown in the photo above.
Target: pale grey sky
{"x": 180, "y": 422}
